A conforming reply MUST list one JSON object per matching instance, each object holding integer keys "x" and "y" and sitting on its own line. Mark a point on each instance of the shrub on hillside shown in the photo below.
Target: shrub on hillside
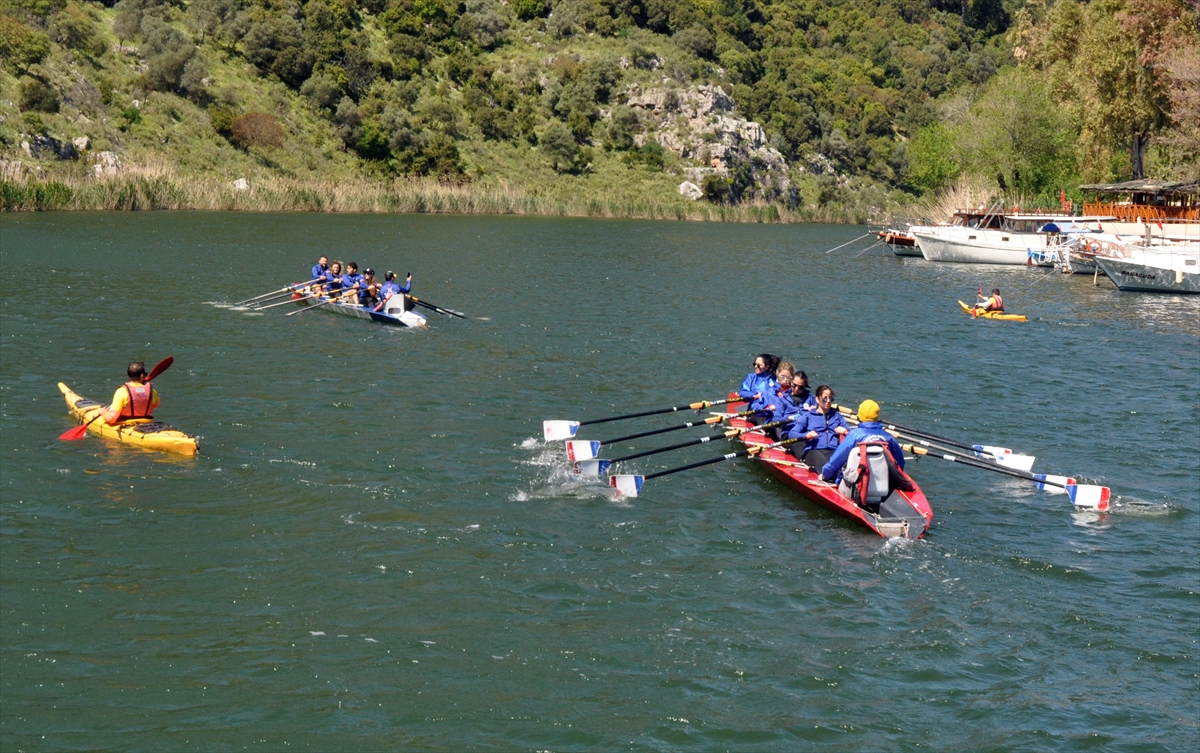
{"x": 276, "y": 45}
{"x": 172, "y": 61}
{"x": 557, "y": 142}
{"x": 484, "y": 22}
{"x": 37, "y": 96}
{"x": 697, "y": 40}
{"x": 221, "y": 119}
{"x": 21, "y": 46}
{"x": 323, "y": 90}
{"x": 259, "y": 129}
{"x": 623, "y": 125}
{"x": 527, "y": 9}
{"x": 75, "y": 27}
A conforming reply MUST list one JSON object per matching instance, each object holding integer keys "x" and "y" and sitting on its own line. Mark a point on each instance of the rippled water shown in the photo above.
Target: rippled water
{"x": 375, "y": 550}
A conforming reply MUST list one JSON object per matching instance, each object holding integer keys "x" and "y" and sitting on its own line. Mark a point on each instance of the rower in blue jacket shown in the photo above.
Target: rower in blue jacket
{"x": 352, "y": 280}
{"x": 760, "y": 381}
{"x": 318, "y": 270}
{"x": 869, "y": 429}
{"x": 821, "y": 427}
{"x": 391, "y": 288}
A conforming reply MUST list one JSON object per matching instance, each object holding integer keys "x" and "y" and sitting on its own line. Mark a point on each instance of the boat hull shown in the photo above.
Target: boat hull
{"x": 1131, "y": 276}
{"x": 902, "y": 515}
{"x": 141, "y": 432}
{"x": 355, "y": 312}
{"x": 993, "y": 314}
{"x": 979, "y": 250}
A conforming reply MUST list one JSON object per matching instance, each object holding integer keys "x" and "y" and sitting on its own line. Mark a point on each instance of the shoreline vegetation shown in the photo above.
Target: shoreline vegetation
{"x": 160, "y": 187}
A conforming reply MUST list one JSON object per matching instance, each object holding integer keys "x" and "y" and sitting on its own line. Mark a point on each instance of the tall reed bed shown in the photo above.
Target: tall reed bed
{"x": 160, "y": 187}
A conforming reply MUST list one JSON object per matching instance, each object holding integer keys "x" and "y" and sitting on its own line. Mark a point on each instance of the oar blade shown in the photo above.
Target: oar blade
{"x": 582, "y": 449}
{"x": 1089, "y": 496}
{"x": 594, "y": 467}
{"x": 554, "y": 431}
{"x": 1017, "y": 461}
{"x": 1062, "y": 481}
{"x": 627, "y": 485}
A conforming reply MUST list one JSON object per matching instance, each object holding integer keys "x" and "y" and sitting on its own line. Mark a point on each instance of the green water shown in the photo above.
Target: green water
{"x": 374, "y": 550}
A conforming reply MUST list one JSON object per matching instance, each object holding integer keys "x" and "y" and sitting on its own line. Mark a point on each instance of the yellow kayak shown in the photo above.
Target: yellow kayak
{"x": 143, "y": 432}
{"x": 992, "y": 314}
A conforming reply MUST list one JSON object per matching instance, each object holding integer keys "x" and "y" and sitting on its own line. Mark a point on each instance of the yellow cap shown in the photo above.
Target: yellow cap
{"x": 868, "y": 410}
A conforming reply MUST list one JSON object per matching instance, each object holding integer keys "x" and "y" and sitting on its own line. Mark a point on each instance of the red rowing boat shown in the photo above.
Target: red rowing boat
{"x": 902, "y": 514}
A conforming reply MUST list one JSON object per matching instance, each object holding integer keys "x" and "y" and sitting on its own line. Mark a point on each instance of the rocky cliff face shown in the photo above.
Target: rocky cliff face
{"x": 700, "y": 123}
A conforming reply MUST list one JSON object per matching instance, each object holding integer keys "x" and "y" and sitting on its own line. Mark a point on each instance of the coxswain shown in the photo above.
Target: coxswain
{"x": 137, "y": 398}
{"x": 821, "y": 427}
{"x": 391, "y": 288}
{"x": 319, "y": 269}
{"x": 869, "y": 429}
{"x": 761, "y": 380}
{"x": 992, "y": 303}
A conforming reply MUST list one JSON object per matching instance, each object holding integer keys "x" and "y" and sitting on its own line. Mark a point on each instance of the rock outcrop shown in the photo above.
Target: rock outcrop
{"x": 700, "y": 123}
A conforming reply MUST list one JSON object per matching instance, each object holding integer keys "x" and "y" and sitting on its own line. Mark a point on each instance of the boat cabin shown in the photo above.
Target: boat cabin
{"x": 1137, "y": 200}
{"x": 977, "y": 219}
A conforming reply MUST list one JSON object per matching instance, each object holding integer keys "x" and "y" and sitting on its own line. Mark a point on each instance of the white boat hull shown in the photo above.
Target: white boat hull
{"x": 1136, "y": 275}
{"x": 979, "y": 250}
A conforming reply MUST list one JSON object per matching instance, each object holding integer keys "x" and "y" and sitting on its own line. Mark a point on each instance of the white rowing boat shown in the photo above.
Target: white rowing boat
{"x": 393, "y": 312}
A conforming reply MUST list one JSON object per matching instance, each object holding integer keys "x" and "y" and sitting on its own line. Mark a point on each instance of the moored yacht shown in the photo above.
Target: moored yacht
{"x": 1172, "y": 268}
{"x": 995, "y": 238}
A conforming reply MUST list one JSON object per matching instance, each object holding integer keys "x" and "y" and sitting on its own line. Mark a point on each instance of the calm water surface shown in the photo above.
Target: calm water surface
{"x": 375, "y": 550}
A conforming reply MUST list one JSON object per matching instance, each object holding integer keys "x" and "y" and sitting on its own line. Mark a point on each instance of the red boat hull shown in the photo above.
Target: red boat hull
{"x": 903, "y": 514}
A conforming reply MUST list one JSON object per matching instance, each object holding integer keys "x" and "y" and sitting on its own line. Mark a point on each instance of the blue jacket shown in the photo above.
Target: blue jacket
{"x": 755, "y": 384}
{"x": 333, "y": 282}
{"x": 867, "y": 431}
{"x": 389, "y": 288}
{"x": 823, "y": 424}
{"x": 349, "y": 280}
{"x": 317, "y": 272}
{"x": 405, "y": 288}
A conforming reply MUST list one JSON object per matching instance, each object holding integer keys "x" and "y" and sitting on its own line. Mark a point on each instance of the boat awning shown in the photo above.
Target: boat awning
{"x": 1148, "y": 186}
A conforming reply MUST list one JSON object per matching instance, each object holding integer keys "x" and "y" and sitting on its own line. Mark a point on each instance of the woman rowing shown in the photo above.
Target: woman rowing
{"x": 761, "y": 381}
{"x": 775, "y": 404}
{"x": 822, "y": 428}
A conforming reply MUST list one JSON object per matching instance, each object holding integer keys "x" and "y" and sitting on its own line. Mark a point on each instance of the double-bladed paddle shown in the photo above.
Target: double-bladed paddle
{"x": 585, "y": 449}
{"x": 628, "y": 485}
{"x": 597, "y": 467}
{"x": 555, "y": 430}
{"x": 79, "y": 432}
{"x": 1082, "y": 495}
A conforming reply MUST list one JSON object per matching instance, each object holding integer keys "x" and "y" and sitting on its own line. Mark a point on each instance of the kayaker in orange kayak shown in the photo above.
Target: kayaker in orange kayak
{"x": 137, "y": 398}
{"x": 992, "y": 303}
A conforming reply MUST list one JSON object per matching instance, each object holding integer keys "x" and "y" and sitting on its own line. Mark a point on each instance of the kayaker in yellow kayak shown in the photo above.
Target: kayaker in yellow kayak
{"x": 137, "y": 398}
{"x": 992, "y": 303}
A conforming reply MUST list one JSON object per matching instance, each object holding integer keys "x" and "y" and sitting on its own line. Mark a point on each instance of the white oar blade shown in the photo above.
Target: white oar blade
{"x": 1089, "y": 496}
{"x": 582, "y": 449}
{"x": 985, "y": 450}
{"x": 1050, "y": 488}
{"x": 1019, "y": 462}
{"x": 554, "y": 431}
{"x": 626, "y": 485}
{"x": 592, "y": 467}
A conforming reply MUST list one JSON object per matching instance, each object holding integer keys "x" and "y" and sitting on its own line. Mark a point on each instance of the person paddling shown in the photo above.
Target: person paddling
{"x": 992, "y": 303}
{"x": 352, "y": 280}
{"x": 368, "y": 296}
{"x": 137, "y": 398}
{"x": 391, "y": 288}
{"x": 869, "y": 429}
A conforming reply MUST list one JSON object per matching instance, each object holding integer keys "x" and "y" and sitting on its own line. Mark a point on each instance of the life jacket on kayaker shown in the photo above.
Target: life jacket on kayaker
{"x": 134, "y": 399}
{"x": 871, "y": 475}
{"x": 993, "y": 303}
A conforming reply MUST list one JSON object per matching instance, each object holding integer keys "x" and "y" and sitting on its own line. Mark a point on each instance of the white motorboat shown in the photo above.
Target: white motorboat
{"x": 993, "y": 238}
{"x": 1171, "y": 268}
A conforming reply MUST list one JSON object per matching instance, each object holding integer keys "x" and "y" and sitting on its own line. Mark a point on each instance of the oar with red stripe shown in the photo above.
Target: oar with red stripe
{"x": 585, "y": 449}
{"x": 554, "y": 430}
{"x": 628, "y": 485}
{"x": 79, "y": 432}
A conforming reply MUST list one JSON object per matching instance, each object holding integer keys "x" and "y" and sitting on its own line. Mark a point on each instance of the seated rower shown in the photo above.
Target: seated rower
{"x": 992, "y": 303}
{"x": 352, "y": 281}
{"x": 760, "y": 381}
{"x": 775, "y": 404}
{"x": 333, "y": 278}
{"x": 319, "y": 269}
{"x": 869, "y": 429}
{"x": 137, "y": 398}
{"x": 369, "y": 294}
{"x": 801, "y": 397}
{"x": 822, "y": 428}
{"x": 391, "y": 288}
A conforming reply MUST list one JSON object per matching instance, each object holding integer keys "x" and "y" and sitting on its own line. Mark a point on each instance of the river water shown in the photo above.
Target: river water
{"x": 374, "y": 550}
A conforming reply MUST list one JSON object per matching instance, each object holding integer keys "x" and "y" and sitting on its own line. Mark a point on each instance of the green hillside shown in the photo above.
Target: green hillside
{"x": 794, "y": 109}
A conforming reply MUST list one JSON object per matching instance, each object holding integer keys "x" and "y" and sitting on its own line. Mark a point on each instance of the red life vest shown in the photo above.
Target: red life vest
{"x": 140, "y": 396}
{"x": 999, "y": 303}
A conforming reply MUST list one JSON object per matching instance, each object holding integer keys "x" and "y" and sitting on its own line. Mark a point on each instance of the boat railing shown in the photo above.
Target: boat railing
{"x": 1140, "y": 212}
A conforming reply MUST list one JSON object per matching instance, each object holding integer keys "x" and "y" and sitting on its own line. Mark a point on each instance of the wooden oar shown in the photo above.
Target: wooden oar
{"x": 439, "y": 309}
{"x": 584, "y": 449}
{"x": 287, "y": 289}
{"x": 1002, "y": 455}
{"x": 1082, "y": 495}
{"x": 596, "y": 467}
{"x": 306, "y": 289}
{"x": 333, "y": 299}
{"x": 306, "y": 297}
{"x": 553, "y": 430}
{"x": 79, "y": 432}
{"x": 630, "y": 485}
